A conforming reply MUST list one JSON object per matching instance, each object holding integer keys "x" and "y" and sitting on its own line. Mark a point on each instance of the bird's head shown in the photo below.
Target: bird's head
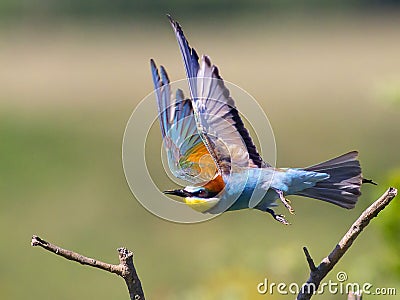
{"x": 199, "y": 198}
{"x": 193, "y": 192}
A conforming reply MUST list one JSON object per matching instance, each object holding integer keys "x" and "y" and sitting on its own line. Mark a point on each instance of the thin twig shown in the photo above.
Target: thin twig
{"x": 310, "y": 261}
{"x": 326, "y": 265}
{"x": 125, "y": 268}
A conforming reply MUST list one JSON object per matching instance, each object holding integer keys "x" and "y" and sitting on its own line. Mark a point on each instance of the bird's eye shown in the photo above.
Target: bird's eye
{"x": 202, "y": 193}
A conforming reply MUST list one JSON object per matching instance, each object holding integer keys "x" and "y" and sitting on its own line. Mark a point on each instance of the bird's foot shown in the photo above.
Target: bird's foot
{"x": 280, "y": 218}
{"x": 285, "y": 201}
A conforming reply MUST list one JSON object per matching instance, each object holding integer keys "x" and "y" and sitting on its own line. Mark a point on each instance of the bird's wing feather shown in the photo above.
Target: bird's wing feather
{"x": 190, "y": 57}
{"x": 188, "y": 157}
{"x": 218, "y": 121}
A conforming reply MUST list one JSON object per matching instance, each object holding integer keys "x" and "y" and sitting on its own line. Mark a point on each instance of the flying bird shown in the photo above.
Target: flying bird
{"x": 208, "y": 145}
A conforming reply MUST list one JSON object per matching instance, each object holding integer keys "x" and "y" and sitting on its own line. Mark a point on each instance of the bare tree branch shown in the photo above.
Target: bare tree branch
{"x": 326, "y": 265}
{"x": 125, "y": 268}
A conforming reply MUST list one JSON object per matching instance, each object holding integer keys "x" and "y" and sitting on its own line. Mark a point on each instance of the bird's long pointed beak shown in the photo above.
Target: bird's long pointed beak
{"x": 180, "y": 193}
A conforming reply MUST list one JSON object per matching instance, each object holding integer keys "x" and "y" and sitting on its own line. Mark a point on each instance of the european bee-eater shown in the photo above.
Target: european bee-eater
{"x": 207, "y": 144}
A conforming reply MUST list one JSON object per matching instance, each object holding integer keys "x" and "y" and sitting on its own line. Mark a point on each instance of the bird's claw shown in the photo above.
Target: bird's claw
{"x": 285, "y": 202}
{"x": 280, "y": 218}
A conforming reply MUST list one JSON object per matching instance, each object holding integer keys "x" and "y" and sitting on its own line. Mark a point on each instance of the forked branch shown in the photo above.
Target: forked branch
{"x": 125, "y": 268}
{"x": 318, "y": 273}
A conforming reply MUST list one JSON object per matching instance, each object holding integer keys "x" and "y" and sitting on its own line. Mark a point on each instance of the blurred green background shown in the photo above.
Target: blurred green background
{"x": 326, "y": 73}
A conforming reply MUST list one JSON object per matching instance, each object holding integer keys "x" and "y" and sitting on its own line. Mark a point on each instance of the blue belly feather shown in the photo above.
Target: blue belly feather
{"x": 257, "y": 186}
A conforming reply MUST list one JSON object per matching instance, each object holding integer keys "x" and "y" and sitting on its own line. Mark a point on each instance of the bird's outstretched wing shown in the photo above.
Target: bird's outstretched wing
{"x": 217, "y": 119}
{"x": 188, "y": 157}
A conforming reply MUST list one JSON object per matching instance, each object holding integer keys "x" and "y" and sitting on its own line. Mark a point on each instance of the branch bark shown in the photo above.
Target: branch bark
{"x": 125, "y": 268}
{"x": 326, "y": 265}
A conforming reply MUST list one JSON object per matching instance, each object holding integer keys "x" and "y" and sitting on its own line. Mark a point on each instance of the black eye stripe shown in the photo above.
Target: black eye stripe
{"x": 202, "y": 193}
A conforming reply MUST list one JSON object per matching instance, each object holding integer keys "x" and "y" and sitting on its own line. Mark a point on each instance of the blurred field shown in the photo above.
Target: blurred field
{"x": 66, "y": 93}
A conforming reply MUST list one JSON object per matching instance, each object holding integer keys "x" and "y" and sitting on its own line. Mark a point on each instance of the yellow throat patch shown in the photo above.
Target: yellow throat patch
{"x": 200, "y": 204}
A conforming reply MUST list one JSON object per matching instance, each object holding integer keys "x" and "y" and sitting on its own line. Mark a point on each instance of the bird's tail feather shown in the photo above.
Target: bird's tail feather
{"x": 342, "y": 188}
